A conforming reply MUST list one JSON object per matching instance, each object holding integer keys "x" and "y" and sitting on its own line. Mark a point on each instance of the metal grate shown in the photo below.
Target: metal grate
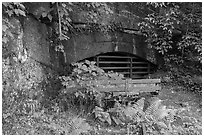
{"x": 131, "y": 66}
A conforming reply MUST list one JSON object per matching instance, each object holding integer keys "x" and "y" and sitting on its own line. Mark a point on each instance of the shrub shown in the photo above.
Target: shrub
{"x": 78, "y": 88}
{"x": 22, "y": 93}
{"x": 157, "y": 119}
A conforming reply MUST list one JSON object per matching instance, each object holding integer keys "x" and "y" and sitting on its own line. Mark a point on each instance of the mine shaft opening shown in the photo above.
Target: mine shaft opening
{"x": 130, "y": 65}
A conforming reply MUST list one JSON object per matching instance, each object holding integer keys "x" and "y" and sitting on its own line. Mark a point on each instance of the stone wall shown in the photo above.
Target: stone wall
{"x": 78, "y": 47}
{"x": 84, "y": 45}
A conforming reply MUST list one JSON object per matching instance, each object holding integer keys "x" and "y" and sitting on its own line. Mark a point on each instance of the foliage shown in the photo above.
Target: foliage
{"x": 6, "y": 25}
{"x": 29, "y": 107}
{"x": 169, "y": 19}
{"x": 192, "y": 81}
{"x": 43, "y": 123}
{"x": 20, "y": 84}
{"x": 78, "y": 85}
{"x": 156, "y": 119}
{"x": 26, "y": 107}
{"x": 191, "y": 42}
{"x": 14, "y": 8}
{"x": 18, "y": 91}
{"x": 93, "y": 10}
{"x": 10, "y": 9}
{"x": 174, "y": 29}
{"x": 63, "y": 123}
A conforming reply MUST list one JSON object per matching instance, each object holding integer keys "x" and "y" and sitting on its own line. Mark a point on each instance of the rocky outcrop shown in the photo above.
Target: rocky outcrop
{"x": 35, "y": 40}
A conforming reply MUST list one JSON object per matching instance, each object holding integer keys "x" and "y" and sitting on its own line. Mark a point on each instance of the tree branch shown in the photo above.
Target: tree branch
{"x": 60, "y": 29}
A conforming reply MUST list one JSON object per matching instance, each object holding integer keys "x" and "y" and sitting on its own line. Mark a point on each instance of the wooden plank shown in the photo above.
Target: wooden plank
{"x": 115, "y": 67}
{"x": 105, "y": 82}
{"x": 150, "y": 81}
{"x": 130, "y": 93}
{"x": 131, "y": 89}
{"x": 137, "y": 81}
{"x": 110, "y": 82}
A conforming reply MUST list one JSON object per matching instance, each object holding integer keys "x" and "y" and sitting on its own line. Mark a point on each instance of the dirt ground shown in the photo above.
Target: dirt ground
{"x": 177, "y": 97}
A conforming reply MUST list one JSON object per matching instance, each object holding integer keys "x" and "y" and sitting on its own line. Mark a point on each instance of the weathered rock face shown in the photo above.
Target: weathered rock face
{"x": 29, "y": 47}
{"x": 82, "y": 46}
{"x": 35, "y": 35}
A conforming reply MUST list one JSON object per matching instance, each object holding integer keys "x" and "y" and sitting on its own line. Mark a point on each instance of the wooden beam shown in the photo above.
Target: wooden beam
{"x": 131, "y": 90}
{"x": 115, "y": 67}
{"x": 137, "y": 81}
{"x": 150, "y": 81}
